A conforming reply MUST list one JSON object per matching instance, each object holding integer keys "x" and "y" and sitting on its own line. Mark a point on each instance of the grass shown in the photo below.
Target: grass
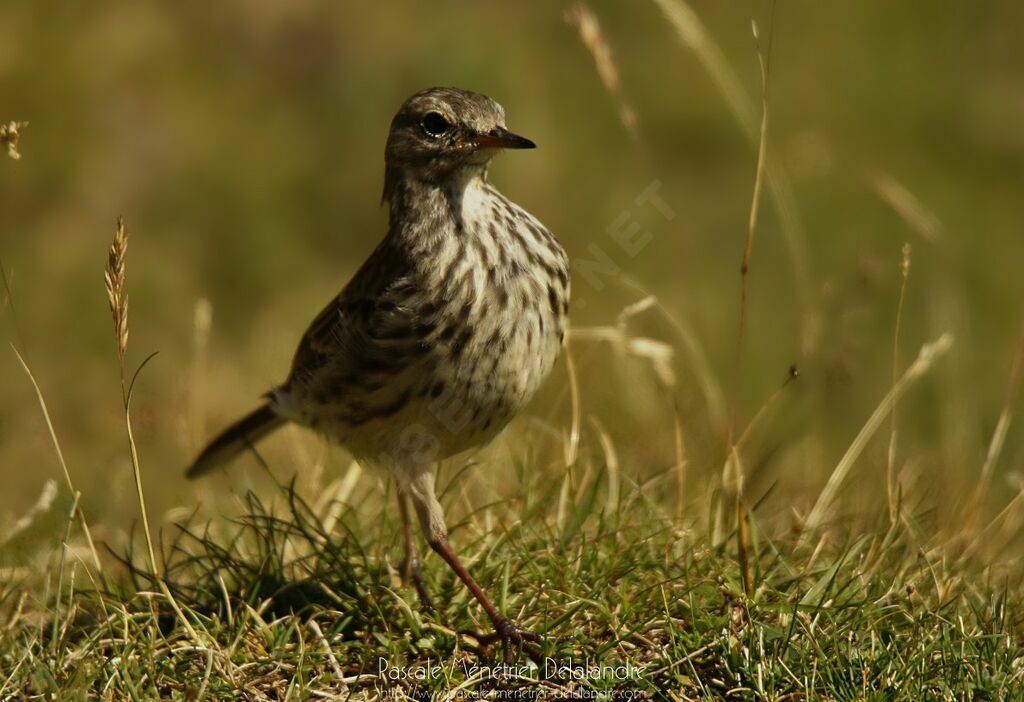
{"x": 292, "y": 600}
{"x": 642, "y": 588}
{"x": 639, "y": 595}
{"x": 705, "y": 578}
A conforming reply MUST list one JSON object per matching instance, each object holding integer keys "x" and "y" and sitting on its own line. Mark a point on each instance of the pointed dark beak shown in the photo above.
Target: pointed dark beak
{"x": 501, "y": 138}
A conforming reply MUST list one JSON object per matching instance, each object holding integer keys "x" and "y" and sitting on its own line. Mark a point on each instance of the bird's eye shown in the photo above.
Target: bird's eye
{"x": 434, "y": 124}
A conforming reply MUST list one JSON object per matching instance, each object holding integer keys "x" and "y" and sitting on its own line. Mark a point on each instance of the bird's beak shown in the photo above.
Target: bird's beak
{"x": 501, "y": 138}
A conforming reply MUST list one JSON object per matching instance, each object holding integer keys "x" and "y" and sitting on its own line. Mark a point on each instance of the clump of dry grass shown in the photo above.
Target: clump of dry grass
{"x": 10, "y": 133}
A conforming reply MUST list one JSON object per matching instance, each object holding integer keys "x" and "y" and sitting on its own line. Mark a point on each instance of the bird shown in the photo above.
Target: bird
{"x": 441, "y": 337}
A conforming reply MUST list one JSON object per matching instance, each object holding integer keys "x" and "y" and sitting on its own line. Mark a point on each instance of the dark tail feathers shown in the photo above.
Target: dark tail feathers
{"x": 235, "y": 439}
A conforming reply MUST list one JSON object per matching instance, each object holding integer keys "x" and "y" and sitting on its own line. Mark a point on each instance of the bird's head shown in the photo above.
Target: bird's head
{"x": 440, "y": 131}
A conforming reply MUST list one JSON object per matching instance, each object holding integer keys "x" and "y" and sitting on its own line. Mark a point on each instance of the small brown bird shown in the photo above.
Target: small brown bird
{"x": 444, "y": 333}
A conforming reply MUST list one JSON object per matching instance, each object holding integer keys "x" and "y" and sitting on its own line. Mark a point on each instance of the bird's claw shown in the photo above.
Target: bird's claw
{"x": 509, "y": 633}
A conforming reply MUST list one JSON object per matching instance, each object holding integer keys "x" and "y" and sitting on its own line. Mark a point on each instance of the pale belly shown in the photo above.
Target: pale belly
{"x": 450, "y": 407}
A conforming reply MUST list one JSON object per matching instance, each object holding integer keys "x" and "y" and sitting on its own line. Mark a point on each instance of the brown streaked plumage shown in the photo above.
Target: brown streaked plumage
{"x": 445, "y": 332}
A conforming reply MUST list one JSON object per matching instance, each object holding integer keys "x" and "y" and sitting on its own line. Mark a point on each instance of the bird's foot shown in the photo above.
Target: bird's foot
{"x": 511, "y": 636}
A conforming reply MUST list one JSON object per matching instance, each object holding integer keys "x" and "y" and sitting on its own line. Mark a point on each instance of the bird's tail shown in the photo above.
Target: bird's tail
{"x": 235, "y": 439}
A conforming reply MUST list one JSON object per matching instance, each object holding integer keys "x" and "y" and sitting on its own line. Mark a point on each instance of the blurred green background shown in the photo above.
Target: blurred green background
{"x": 243, "y": 143}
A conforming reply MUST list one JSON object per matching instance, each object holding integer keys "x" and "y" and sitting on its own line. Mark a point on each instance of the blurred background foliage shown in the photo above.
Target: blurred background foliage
{"x": 243, "y": 143}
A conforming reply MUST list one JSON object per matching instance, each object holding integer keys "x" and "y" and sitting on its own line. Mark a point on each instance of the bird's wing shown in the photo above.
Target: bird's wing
{"x": 369, "y": 328}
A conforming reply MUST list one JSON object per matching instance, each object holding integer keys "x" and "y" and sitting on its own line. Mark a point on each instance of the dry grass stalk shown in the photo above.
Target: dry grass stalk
{"x": 755, "y": 200}
{"x": 115, "y": 281}
{"x": 742, "y": 534}
{"x": 660, "y": 355}
{"x": 906, "y": 206}
{"x": 681, "y": 461}
{"x": 998, "y": 440}
{"x": 694, "y": 36}
{"x": 734, "y": 480}
{"x": 692, "y": 33}
{"x": 892, "y": 487}
{"x": 202, "y": 322}
{"x": 56, "y": 630}
{"x": 571, "y": 444}
{"x": 10, "y": 133}
{"x": 60, "y": 457}
{"x": 586, "y": 23}
{"x": 926, "y": 358}
{"x": 325, "y": 646}
{"x": 8, "y": 305}
{"x": 696, "y": 357}
{"x": 611, "y": 462}
{"x": 41, "y": 506}
{"x": 995, "y": 447}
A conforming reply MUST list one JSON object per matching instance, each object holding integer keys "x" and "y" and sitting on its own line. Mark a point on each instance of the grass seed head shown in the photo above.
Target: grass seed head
{"x": 9, "y": 135}
{"x": 589, "y": 28}
{"x": 114, "y": 278}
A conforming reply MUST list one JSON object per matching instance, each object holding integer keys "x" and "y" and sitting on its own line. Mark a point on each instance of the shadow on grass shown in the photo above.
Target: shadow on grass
{"x": 276, "y": 565}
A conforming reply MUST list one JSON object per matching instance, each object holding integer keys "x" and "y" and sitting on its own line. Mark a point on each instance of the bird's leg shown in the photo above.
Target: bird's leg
{"x": 411, "y": 563}
{"x": 431, "y": 516}
{"x": 505, "y": 630}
